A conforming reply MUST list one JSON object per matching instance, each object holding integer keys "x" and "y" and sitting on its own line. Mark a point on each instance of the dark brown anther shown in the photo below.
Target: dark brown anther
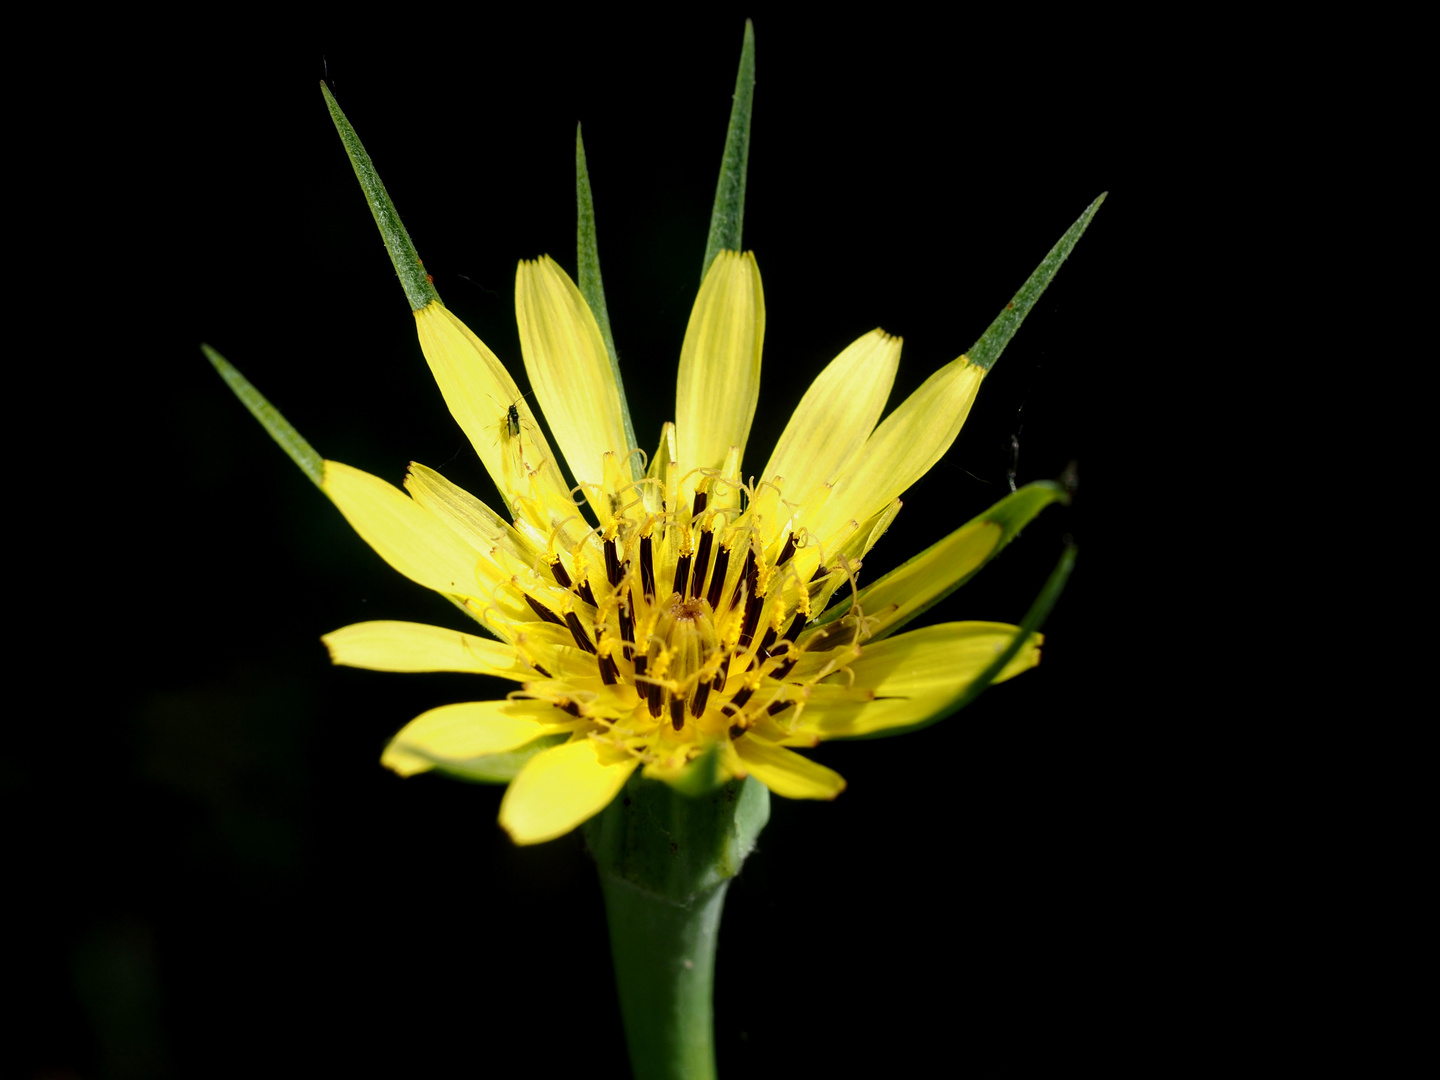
{"x": 542, "y": 671}
{"x": 647, "y": 570}
{"x": 627, "y": 636}
{"x": 698, "y": 507}
{"x": 655, "y": 698}
{"x": 612, "y": 563}
{"x": 775, "y": 708}
{"x": 752, "y": 619}
{"x": 677, "y": 713}
{"x": 543, "y": 611}
{"x": 748, "y": 576}
{"x": 561, "y": 577}
{"x": 718, "y": 684}
{"x": 793, "y": 630}
{"x": 763, "y": 652}
{"x": 566, "y": 705}
{"x": 702, "y": 563}
{"x": 697, "y": 703}
{"x": 608, "y": 672}
{"x": 736, "y": 731}
{"x": 741, "y": 697}
{"x": 717, "y": 579}
{"x": 578, "y": 632}
{"x": 585, "y": 593}
{"x": 786, "y": 551}
{"x": 786, "y": 664}
{"x": 681, "y": 583}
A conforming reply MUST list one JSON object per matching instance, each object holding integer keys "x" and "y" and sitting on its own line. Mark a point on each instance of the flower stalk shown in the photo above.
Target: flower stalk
{"x": 665, "y": 860}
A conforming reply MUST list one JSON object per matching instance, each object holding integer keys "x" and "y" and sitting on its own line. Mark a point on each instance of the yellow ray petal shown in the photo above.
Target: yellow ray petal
{"x": 916, "y": 675}
{"x": 476, "y": 523}
{"x": 905, "y": 445}
{"x": 561, "y": 788}
{"x": 468, "y": 730}
{"x": 719, "y": 381}
{"x": 402, "y": 533}
{"x": 407, "y": 646}
{"x": 786, "y": 772}
{"x": 569, "y": 368}
{"x": 476, "y": 387}
{"x": 835, "y": 417}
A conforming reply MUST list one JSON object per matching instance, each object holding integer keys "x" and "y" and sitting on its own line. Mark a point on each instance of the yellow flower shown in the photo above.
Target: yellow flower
{"x": 668, "y": 613}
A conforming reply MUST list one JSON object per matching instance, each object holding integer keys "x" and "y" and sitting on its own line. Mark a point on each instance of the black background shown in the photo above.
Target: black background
{"x": 225, "y": 882}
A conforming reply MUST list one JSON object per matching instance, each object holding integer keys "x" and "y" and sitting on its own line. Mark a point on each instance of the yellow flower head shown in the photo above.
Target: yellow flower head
{"x": 668, "y": 613}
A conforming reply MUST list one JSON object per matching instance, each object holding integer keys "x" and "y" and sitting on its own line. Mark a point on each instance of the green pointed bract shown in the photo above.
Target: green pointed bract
{"x": 923, "y": 581}
{"x": 592, "y": 288}
{"x": 1034, "y": 619}
{"x": 418, "y": 289}
{"x": 992, "y": 343}
{"x": 728, "y": 215}
{"x": 290, "y": 440}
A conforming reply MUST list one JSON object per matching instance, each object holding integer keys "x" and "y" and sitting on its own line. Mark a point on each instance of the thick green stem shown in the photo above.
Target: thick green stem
{"x": 664, "y": 954}
{"x": 665, "y": 861}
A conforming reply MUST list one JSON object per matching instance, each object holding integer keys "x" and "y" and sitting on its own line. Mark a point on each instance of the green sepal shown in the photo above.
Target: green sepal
{"x": 1011, "y": 513}
{"x": 728, "y": 215}
{"x": 677, "y": 846}
{"x": 418, "y": 289}
{"x": 592, "y": 288}
{"x": 290, "y": 440}
{"x": 490, "y": 768}
{"x": 987, "y": 350}
{"x": 701, "y": 776}
{"x": 1034, "y": 619}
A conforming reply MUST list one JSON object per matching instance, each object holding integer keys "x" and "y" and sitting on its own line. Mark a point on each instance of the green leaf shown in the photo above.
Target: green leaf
{"x": 923, "y": 581}
{"x": 992, "y": 343}
{"x": 587, "y": 261}
{"x": 418, "y": 289}
{"x": 290, "y": 440}
{"x": 728, "y": 215}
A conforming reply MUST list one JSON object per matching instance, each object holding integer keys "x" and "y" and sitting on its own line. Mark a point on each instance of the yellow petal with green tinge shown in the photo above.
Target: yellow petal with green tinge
{"x": 469, "y": 730}
{"x": 562, "y": 787}
{"x": 406, "y": 646}
{"x": 835, "y": 417}
{"x": 719, "y": 381}
{"x": 910, "y": 589}
{"x": 786, "y": 772}
{"x": 569, "y": 368}
{"x": 475, "y": 385}
{"x": 915, "y": 675}
{"x": 402, "y": 533}
{"x": 906, "y": 444}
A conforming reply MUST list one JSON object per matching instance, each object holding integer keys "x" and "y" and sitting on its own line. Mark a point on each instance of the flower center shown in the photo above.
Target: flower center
{"x": 683, "y": 659}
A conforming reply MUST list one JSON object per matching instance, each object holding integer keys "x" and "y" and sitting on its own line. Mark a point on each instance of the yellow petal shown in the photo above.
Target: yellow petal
{"x": 905, "y": 445}
{"x": 569, "y": 368}
{"x": 402, "y": 533}
{"x": 835, "y": 417}
{"x": 468, "y": 730}
{"x": 916, "y": 675}
{"x": 719, "y": 381}
{"x": 476, "y": 386}
{"x": 786, "y": 772}
{"x": 407, "y": 646}
{"x": 477, "y": 524}
{"x": 561, "y": 788}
